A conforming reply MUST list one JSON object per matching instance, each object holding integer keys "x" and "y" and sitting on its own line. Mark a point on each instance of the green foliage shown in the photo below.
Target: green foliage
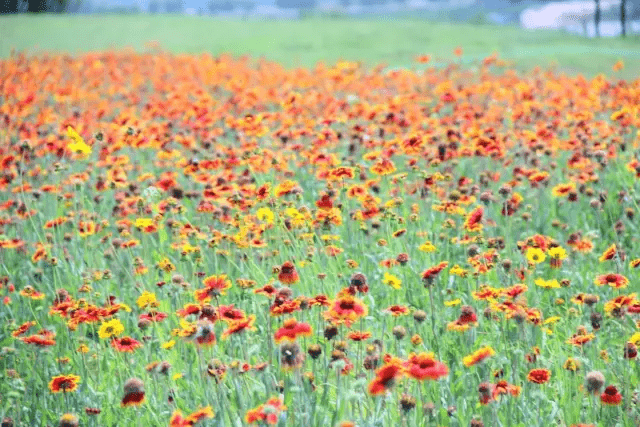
{"x": 372, "y": 41}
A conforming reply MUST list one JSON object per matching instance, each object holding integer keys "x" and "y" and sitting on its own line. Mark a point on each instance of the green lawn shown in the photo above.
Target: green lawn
{"x": 304, "y": 42}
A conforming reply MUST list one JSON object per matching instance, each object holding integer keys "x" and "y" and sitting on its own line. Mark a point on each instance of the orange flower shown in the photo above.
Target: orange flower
{"x": 346, "y": 309}
{"x": 431, "y": 273}
{"x": 291, "y": 330}
{"x": 609, "y": 253}
{"x": 213, "y": 286}
{"x": 473, "y": 222}
{"x": 240, "y": 325}
{"x": 64, "y": 383}
{"x": 614, "y": 280}
{"x": 359, "y": 335}
{"x": 383, "y": 167}
{"x": 385, "y": 378}
{"x": 268, "y": 413}
{"x": 125, "y": 344}
{"x": 539, "y": 376}
{"x": 288, "y": 274}
{"x": 423, "y": 366}
{"x": 478, "y": 356}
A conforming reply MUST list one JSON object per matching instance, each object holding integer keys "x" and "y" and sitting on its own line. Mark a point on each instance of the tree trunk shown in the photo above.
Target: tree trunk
{"x": 597, "y": 18}
{"x": 8, "y": 6}
{"x": 37, "y": 6}
{"x": 623, "y": 16}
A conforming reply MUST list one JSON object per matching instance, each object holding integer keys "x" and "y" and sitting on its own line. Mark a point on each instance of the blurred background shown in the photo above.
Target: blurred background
{"x": 577, "y": 36}
{"x": 591, "y": 18}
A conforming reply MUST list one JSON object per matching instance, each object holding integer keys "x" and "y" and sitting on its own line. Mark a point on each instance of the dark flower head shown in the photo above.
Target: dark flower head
{"x": 133, "y": 392}
{"x": 611, "y": 396}
{"x": 594, "y": 381}
{"x": 68, "y": 420}
{"x": 407, "y": 402}
{"x": 291, "y": 356}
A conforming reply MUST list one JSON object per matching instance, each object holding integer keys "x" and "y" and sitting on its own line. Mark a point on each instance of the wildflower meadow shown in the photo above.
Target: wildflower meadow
{"x": 222, "y": 241}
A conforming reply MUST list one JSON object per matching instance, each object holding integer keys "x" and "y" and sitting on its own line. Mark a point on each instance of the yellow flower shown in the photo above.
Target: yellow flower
{"x": 635, "y": 338}
{"x": 427, "y": 247}
{"x": 177, "y": 376}
{"x": 166, "y": 265}
{"x": 188, "y": 248}
{"x": 535, "y": 255}
{"x": 571, "y": 364}
{"x": 143, "y": 222}
{"x": 83, "y": 348}
{"x": 110, "y": 329}
{"x": 478, "y": 356}
{"x": 77, "y": 145}
{"x": 391, "y": 280}
{"x": 168, "y": 345}
{"x": 456, "y": 270}
{"x": 328, "y": 237}
{"x": 552, "y": 319}
{"x": 265, "y": 214}
{"x": 124, "y": 307}
{"x": 557, "y": 253}
{"x": 547, "y": 284}
{"x": 146, "y": 299}
{"x": 453, "y": 302}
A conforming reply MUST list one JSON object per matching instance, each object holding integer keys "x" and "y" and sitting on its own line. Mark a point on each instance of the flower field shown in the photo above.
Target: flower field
{"x": 219, "y": 241}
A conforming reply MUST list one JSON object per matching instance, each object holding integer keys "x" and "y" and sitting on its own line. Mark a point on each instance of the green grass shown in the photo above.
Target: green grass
{"x": 304, "y": 42}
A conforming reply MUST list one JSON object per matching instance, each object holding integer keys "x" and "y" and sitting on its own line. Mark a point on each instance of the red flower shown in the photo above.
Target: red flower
{"x": 612, "y": 279}
{"x": 238, "y": 326}
{"x": 291, "y": 330}
{"x": 396, "y": 310}
{"x": 288, "y": 274}
{"x": 478, "y": 356}
{"x": 213, "y": 286}
{"x": 431, "y": 273}
{"x": 205, "y": 334}
{"x": 630, "y": 351}
{"x": 285, "y": 307}
{"x": 423, "y": 366}
{"x": 23, "y": 328}
{"x": 45, "y": 339}
{"x": 199, "y": 415}
{"x": 473, "y": 221}
{"x": 153, "y": 316}
{"x": 320, "y": 300}
{"x": 503, "y": 387}
{"x": 346, "y": 309}
{"x": 385, "y": 378}
{"x": 359, "y": 335}
{"x": 486, "y": 391}
{"x": 125, "y": 344}
{"x": 229, "y": 313}
{"x": 64, "y": 383}
{"x": 267, "y": 290}
{"x": 325, "y": 202}
{"x": 611, "y": 396}
{"x": 539, "y": 376}
{"x": 467, "y": 315}
{"x": 269, "y": 412}
{"x": 133, "y": 392}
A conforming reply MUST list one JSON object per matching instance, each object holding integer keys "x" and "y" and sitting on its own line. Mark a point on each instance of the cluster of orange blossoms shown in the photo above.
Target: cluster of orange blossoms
{"x": 290, "y": 231}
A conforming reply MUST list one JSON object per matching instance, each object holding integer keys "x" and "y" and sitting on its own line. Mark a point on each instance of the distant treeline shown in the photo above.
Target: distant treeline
{"x": 15, "y": 6}
{"x": 155, "y": 6}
